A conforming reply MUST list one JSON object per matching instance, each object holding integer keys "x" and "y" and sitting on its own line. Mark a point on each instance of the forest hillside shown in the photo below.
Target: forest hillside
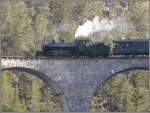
{"x": 25, "y": 24}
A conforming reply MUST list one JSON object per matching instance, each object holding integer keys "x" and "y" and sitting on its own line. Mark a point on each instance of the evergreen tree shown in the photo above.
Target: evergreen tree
{"x": 35, "y": 96}
{"x": 7, "y": 92}
{"x": 18, "y": 106}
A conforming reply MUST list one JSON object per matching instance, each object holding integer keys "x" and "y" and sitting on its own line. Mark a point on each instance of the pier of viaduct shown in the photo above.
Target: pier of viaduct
{"x": 74, "y": 80}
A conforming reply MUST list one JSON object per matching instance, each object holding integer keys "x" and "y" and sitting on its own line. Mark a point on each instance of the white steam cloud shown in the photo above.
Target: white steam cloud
{"x": 91, "y": 27}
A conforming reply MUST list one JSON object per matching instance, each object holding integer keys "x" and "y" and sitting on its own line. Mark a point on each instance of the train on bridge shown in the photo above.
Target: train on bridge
{"x": 85, "y": 48}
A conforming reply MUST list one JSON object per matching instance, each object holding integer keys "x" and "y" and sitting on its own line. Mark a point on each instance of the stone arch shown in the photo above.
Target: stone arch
{"x": 124, "y": 70}
{"x": 46, "y": 79}
{"x": 114, "y": 74}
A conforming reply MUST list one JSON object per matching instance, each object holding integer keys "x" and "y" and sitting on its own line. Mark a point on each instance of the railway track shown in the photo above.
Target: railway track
{"x": 80, "y": 57}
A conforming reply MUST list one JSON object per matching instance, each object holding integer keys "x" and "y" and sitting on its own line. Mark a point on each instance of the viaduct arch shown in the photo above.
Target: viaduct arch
{"x": 122, "y": 71}
{"x": 45, "y": 79}
{"x": 77, "y": 79}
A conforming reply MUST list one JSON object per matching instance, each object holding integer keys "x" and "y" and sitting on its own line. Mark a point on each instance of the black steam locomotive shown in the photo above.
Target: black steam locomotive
{"x": 86, "y": 48}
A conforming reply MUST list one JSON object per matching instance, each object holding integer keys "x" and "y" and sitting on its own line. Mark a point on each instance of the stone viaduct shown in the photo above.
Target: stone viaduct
{"x": 74, "y": 80}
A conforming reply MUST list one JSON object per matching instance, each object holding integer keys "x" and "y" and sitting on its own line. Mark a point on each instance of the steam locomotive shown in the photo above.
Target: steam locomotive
{"x": 97, "y": 49}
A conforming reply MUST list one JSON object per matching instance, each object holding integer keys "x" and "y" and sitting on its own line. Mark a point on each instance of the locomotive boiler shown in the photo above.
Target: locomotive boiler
{"x": 75, "y": 48}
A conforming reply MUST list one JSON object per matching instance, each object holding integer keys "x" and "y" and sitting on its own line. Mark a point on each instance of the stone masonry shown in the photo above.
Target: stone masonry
{"x": 75, "y": 80}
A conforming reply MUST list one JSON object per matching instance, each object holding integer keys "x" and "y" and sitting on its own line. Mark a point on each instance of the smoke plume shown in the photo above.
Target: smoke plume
{"x": 91, "y": 27}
